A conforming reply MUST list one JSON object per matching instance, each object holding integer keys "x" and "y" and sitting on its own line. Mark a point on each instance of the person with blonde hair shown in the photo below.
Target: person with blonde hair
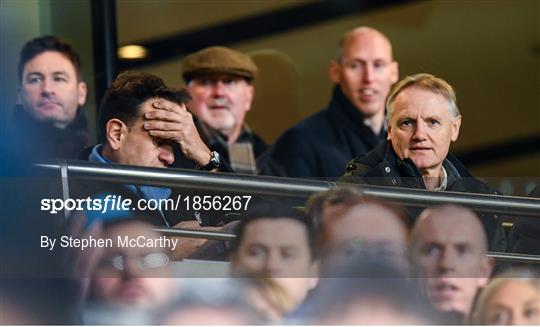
{"x": 512, "y": 298}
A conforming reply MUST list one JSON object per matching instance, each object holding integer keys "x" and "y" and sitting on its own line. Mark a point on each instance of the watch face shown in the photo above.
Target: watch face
{"x": 215, "y": 158}
{"x": 214, "y": 161}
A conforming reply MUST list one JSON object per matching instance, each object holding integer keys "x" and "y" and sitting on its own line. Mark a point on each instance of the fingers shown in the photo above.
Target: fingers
{"x": 187, "y": 224}
{"x": 172, "y": 116}
{"x": 162, "y": 126}
{"x": 168, "y": 106}
{"x": 167, "y": 135}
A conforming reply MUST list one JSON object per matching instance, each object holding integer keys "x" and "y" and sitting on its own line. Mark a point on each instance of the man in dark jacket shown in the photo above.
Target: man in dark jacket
{"x": 47, "y": 121}
{"x": 141, "y": 121}
{"x": 353, "y": 124}
{"x": 423, "y": 119}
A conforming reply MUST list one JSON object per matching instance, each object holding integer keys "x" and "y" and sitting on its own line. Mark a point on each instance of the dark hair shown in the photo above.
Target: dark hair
{"x": 128, "y": 91}
{"x": 274, "y": 209}
{"x": 41, "y": 44}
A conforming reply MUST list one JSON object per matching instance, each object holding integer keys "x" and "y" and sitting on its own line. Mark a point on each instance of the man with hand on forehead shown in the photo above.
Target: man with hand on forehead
{"x": 219, "y": 80}
{"x": 141, "y": 121}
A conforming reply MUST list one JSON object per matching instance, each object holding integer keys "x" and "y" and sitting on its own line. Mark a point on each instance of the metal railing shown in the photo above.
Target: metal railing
{"x": 288, "y": 187}
{"x": 220, "y": 236}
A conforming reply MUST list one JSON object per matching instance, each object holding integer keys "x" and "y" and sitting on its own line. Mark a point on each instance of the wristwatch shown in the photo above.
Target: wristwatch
{"x": 215, "y": 162}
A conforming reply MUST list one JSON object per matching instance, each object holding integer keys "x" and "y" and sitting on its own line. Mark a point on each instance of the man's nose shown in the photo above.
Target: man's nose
{"x": 419, "y": 133}
{"x": 447, "y": 261}
{"x": 368, "y": 73}
{"x": 272, "y": 265}
{"x": 166, "y": 154}
{"x": 47, "y": 87}
{"x": 219, "y": 88}
{"x": 132, "y": 268}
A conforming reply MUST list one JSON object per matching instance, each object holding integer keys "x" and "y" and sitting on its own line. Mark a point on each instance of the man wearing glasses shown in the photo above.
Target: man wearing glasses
{"x": 131, "y": 276}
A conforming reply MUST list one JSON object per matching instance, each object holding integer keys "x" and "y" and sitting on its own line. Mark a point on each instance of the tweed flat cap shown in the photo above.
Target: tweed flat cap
{"x": 218, "y": 60}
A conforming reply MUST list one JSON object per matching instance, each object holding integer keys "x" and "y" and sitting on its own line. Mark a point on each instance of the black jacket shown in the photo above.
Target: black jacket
{"x": 37, "y": 141}
{"x": 382, "y": 167}
{"x": 525, "y": 234}
{"x": 321, "y": 145}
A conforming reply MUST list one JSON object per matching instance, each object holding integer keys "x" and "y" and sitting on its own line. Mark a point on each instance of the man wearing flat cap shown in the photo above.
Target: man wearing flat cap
{"x": 219, "y": 80}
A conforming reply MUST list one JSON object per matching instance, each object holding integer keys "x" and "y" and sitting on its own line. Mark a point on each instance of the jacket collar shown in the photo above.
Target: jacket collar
{"x": 214, "y": 137}
{"x": 347, "y": 115}
{"x": 404, "y": 172}
{"x": 78, "y": 125}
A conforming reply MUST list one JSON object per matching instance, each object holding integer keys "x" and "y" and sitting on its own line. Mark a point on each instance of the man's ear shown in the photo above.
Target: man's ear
{"x": 394, "y": 71}
{"x": 486, "y": 269}
{"x": 389, "y": 127}
{"x": 83, "y": 90}
{"x": 115, "y": 129}
{"x": 250, "y": 93}
{"x": 19, "y": 100}
{"x": 334, "y": 72}
{"x": 456, "y": 124}
{"x": 314, "y": 273}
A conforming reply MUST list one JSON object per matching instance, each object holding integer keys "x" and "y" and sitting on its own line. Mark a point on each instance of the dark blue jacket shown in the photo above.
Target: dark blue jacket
{"x": 323, "y": 144}
{"x": 525, "y": 233}
{"x": 383, "y": 167}
{"x": 37, "y": 141}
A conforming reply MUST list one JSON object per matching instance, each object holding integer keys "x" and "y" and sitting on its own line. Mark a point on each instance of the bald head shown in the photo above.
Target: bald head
{"x": 364, "y": 35}
{"x": 448, "y": 249}
{"x": 365, "y": 69}
{"x": 451, "y": 220}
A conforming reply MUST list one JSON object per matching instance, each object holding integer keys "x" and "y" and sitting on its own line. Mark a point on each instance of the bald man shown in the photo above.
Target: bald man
{"x": 448, "y": 253}
{"x": 353, "y": 123}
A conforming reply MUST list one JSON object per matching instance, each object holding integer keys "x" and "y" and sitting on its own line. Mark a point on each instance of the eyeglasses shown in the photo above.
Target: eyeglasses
{"x": 375, "y": 249}
{"x": 146, "y": 262}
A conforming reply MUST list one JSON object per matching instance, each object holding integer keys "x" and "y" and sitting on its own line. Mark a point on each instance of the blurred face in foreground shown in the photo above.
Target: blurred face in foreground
{"x": 373, "y": 312}
{"x": 448, "y": 251}
{"x": 132, "y": 276}
{"x": 277, "y": 248}
{"x": 367, "y": 227}
{"x": 209, "y": 316}
{"x": 515, "y": 302}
